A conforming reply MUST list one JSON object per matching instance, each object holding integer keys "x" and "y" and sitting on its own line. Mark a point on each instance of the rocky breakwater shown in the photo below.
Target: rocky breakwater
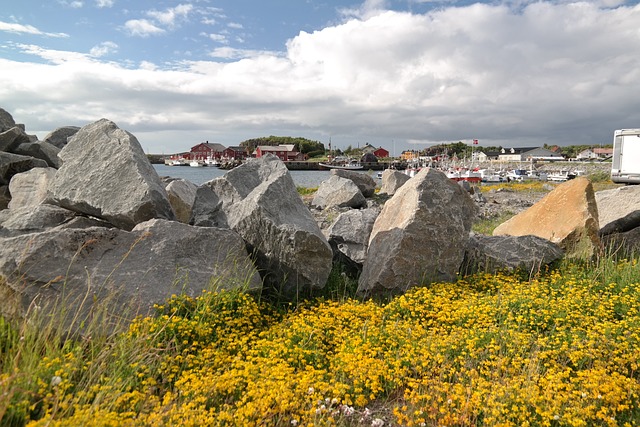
{"x": 100, "y": 232}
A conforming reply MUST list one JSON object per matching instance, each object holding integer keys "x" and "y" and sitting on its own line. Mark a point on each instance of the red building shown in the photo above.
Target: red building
{"x": 206, "y": 150}
{"x": 381, "y": 153}
{"x": 283, "y": 152}
{"x": 235, "y": 153}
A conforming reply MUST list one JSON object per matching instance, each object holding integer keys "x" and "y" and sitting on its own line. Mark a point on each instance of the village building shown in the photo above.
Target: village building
{"x": 378, "y": 152}
{"x": 595, "y": 154}
{"x": 286, "y": 153}
{"x": 206, "y": 150}
{"x": 234, "y": 153}
{"x": 528, "y": 154}
{"x": 410, "y": 155}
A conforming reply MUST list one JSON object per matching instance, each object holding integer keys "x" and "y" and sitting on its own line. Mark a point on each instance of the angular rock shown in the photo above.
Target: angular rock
{"x": 618, "y": 209}
{"x": 12, "y": 164}
{"x": 623, "y": 244}
{"x": 182, "y": 195}
{"x": 349, "y": 237}
{"x": 40, "y": 150}
{"x": 106, "y": 174}
{"x": 6, "y": 120}
{"x": 5, "y": 197}
{"x": 392, "y": 180}
{"x": 123, "y": 272}
{"x": 259, "y": 200}
{"x": 32, "y": 219}
{"x": 30, "y": 188}
{"x": 60, "y": 137}
{"x": 491, "y": 254}
{"x": 364, "y": 181}
{"x": 420, "y": 236}
{"x": 206, "y": 210}
{"x": 338, "y": 192}
{"x": 567, "y": 216}
{"x": 12, "y": 138}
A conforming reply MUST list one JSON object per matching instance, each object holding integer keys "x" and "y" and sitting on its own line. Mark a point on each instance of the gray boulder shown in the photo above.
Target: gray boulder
{"x": 618, "y": 209}
{"x": 12, "y": 164}
{"x": 420, "y": 236}
{"x": 60, "y": 137}
{"x": 30, "y": 188}
{"x": 182, "y": 195}
{"x": 206, "y": 210}
{"x": 392, "y": 180}
{"x": 624, "y": 244}
{"x": 349, "y": 237}
{"x": 125, "y": 273}
{"x": 6, "y": 120}
{"x": 40, "y": 150}
{"x": 5, "y": 197}
{"x": 364, "y": 181}
{"x": 338, "y": 192}
{"x": 106, "y": 174}
{"x": 10, "y": 139}
{"x": 490, "y": 254}
{"x": 32, "y": 219}
{"x": 259, "y": 200}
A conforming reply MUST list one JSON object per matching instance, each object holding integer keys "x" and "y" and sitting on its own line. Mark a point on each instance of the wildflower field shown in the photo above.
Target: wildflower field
{"x": 558, "y": 349}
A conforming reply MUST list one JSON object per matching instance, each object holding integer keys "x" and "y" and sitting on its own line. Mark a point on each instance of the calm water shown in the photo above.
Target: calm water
{"x": 201, "y": 175}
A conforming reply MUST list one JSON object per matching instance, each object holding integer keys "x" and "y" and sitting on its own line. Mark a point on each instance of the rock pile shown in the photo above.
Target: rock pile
{"x": 85, "y": 218}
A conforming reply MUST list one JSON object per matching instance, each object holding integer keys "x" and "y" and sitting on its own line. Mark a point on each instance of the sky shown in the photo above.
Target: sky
{"x": 398, "y": 74}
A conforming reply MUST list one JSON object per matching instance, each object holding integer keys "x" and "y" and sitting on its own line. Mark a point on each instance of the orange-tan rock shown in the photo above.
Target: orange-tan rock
{"x": 567, "y": 216}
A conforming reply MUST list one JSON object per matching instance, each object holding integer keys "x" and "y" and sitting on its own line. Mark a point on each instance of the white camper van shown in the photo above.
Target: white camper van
{"x": 626, "y": 156}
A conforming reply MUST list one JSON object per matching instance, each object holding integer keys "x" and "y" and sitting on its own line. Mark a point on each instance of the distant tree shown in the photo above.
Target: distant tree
{"x": 303, "y": 145}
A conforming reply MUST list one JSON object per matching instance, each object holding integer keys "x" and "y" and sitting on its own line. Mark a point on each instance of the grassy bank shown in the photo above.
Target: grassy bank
{"x": 559, "y": 349}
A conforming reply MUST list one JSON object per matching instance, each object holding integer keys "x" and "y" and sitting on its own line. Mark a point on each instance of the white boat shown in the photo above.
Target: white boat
{"x": 489, "y": 175}
{"x": 517, "y": 175}
{"x": 196, "y": 163}
{"x": 347, "y": 166}
{"x": 562, "y": 176}
{"x": 464, "y": 175}
{"x": 212, "y": 162}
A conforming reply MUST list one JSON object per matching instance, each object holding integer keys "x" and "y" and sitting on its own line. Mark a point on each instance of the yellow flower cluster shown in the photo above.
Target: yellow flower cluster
{"x": 490, "y": 350}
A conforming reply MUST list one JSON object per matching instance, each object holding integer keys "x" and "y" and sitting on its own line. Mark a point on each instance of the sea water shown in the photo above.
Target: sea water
{"x": 199, "y": 176}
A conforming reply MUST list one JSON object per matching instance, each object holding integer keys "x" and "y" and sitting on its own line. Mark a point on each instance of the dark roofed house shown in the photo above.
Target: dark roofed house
{"x": 283, "y": 152}
{"x": 235, "y": 153}
{"x": 519, "y": 154}
{"x": 206, "y": 150}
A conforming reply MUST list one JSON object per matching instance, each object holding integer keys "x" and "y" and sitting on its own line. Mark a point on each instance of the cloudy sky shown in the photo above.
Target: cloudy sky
{"x": 402, "y": 74}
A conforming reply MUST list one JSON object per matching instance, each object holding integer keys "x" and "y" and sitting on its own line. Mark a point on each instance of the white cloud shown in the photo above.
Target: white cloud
{"x": 367, "y": 9}
{"x": 220, "y": 38}
{"x": 142, "y": 28}
{"x": 171, "y": 16}
{"x": 235, "y": 25}
{"x": 104, "y": 3}
{"x": 11, "y": 27}
{"x": 75, "y": 4}
{"x": 103, "y": 49}
{"x": 547, "y": 73}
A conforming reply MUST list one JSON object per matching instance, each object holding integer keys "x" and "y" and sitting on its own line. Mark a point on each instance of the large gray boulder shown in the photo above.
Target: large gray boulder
{"x": 30, "y": 188}
{"x": 490, "y": 254}
{"x": 206, "y": 209}
{"x": 420, "y": 236}
{"x": 182, "y": 195}
{"x": 392, "y": 180}
{"x": 106, "y": 174}
{"x": 624, "y": 244}
{"x": 10, "y": 139}
{"x": 12, "y": 164}
{"x": 125, "y": 273}
{"x": 338, "y": 192}
{"x": 40, "y": 150}
{"x": 259, "y": 200}
{"x": 618, "y": 209}
{"x": 6, "y": 120}
{"x": 349, "y": 237}
{"x": 60, "y": 137}
{"x": 33, "y": 219}
{"x": 5, "y": 197}
{"x": 364, "y": 181}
